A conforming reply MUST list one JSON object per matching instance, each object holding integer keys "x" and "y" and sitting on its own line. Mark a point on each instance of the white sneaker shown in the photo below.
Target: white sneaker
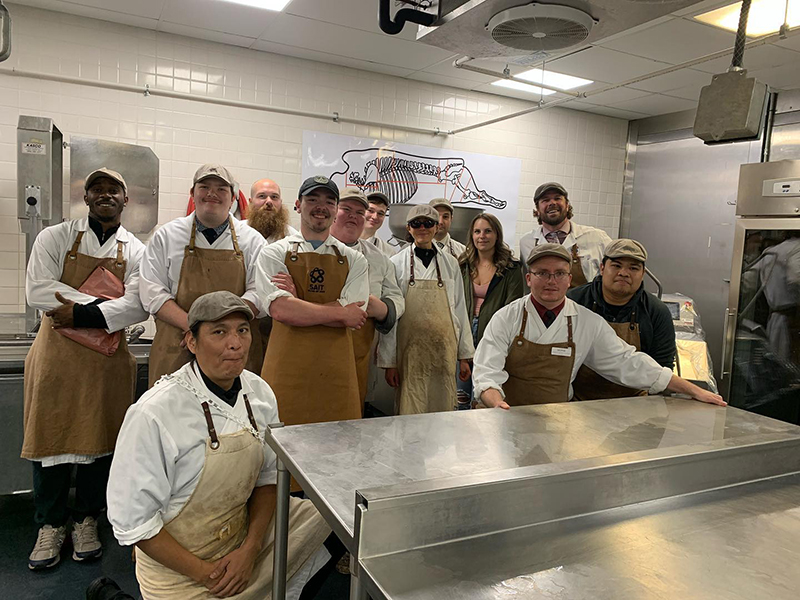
{"x": 85, "y": 543}
{"x": 47, "y": 551}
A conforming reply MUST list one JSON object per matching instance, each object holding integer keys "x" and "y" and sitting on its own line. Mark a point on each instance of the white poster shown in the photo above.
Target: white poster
{"x": 417, "y": 174}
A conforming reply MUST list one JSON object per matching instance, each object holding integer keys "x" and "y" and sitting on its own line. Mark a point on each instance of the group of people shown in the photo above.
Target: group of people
{"x": 257, "y": 322}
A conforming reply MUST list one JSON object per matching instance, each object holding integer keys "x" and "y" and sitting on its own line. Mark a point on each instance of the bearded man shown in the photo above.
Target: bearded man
{"x": 267, "y": 215}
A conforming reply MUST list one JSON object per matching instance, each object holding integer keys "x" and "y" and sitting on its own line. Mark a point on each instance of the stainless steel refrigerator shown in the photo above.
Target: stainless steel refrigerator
{"x": 761, "y": 350}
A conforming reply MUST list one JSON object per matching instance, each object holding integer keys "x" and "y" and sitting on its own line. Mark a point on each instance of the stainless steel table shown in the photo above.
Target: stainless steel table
{"x": 605, "y": 499}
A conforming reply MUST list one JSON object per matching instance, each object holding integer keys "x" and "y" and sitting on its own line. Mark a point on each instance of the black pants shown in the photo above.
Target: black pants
{"x": 51, "y": 491}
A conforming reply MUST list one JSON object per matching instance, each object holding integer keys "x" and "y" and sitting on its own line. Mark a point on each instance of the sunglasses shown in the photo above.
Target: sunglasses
{"x": 416, "y": 224}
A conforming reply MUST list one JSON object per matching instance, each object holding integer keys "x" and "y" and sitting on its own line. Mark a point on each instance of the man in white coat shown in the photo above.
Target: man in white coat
{"x": 532, "y": 348}
{"x": 443, "y": 240}
{"x": 585, "y": 244}
{"x": 375, "y": 216}
{"x": 76, "y": 396}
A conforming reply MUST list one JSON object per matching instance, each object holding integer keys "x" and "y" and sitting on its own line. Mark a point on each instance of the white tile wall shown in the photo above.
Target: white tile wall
{"x": 585, "y": 152}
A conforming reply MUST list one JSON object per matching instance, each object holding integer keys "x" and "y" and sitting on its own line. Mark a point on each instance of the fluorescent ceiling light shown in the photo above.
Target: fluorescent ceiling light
{"x": 265, "y": 4}
{"x": 766, "y": 16}
{"x": 551, "y": 78}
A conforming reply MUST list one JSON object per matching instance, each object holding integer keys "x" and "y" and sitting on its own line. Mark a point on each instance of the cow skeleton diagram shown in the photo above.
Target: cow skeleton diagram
{"x": 400, "y": 174}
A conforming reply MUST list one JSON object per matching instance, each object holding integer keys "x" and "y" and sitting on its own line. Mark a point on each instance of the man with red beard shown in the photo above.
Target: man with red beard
{"x": 585, "y": 244}
{"x": 267, "y": 214}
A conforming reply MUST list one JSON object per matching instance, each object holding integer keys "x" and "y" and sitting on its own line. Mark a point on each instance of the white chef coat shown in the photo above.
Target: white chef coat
{"x": 275, "y": 237}
{"x": 272, "y": 261}
{"x": 453, "y": 284}
{"x": 163, "y": 258}
{"x": 382, "y": 245}
{"x": 161, "y": 447}
{"x": 454, "y": 247}
{"x": 46, "y": 265}
{"x": 381, "y": 274}
{"x": 596, "y": 345}
{"x": 591, "y": 243}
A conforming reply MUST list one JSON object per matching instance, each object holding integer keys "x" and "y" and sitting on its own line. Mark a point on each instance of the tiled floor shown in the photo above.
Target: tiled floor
{"x": 69, "y": 579}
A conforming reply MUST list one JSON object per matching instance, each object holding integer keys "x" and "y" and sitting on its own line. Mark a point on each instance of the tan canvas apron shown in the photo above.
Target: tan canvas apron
{"x": 362, "y": 346}
{"x": 214, "y": 522}
{"x": 535, "y": 374}
{"x": 427, "y": 350}
{"x": 203, "y": 270}
{"x": 578, "y": 278}
{"x": 589, "y": 385}
{"x": 76, "y": 398}
{"x": 312, "y": 370}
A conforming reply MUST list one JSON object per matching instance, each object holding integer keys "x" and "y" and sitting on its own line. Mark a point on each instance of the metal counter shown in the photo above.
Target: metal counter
{"x": 436, "y": 493}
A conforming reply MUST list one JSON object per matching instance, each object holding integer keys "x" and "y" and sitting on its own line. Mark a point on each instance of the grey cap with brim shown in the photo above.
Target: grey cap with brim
{"x": 626, "y": 248}
{"x": 543, "y": 250}
{"x": 353, "y": 193}
{"x": 422, "y": 211}
{"x": 216, "y": 305}
{"x": 378, "y": 197}
{"x": 546, "y": 187}
{"x": 104, "y": 172}
{"x": 214, "y": 170}
{"x": 436, "y": 202}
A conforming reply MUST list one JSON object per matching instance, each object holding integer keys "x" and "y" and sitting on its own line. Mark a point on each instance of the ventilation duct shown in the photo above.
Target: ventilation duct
{"x": 540, "y": 27}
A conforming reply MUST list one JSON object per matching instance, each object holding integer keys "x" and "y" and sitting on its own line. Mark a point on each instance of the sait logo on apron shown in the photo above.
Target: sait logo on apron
{"x": 316, "y": 281}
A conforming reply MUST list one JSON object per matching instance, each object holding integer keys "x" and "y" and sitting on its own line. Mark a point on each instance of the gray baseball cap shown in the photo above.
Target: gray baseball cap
{"x": 543, "y": 250}
{"x": 316, "y": 182}
{"x": 422, "y": 211}
{"x": 436, "y": 202}
{"x": 104, "y": 172}
{"x": 214, "y": 170}
{"x": 546, "y": 187}
{"x": 353, "y": 193}
{"x": 626, "y": 248}
{"x": 215, "y": 305}
{"x": 378, "y": 197}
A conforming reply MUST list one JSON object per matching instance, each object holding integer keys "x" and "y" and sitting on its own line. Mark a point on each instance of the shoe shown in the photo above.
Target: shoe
{"x": 343, "y": 566}
{"x": 85, "y": 543}
{"x": 104, "y": 588}
{"x": 47, "y": 551}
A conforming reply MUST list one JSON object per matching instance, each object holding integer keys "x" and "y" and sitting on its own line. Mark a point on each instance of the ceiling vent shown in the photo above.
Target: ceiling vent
{"x": 540, "y": 27}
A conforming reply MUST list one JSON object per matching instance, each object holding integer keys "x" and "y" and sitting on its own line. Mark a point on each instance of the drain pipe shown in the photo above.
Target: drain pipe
{"x": 148, "y": 91}
{"x": 461, "y": 63}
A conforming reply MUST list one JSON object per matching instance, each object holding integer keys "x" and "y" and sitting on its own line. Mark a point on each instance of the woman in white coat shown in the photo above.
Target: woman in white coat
{"x": 421, "y": 352}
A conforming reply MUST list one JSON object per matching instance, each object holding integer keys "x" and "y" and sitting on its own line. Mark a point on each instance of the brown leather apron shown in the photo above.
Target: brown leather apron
{"x": 76, "y": 398}
{"x": 214, "y": 521}
{"x": 362, "y": 347}
{"x": 589, "y": 385}
{"x": 427, "y": 350}
{"x": 538, "y": 373}
{"x": 578, "y": 278}
{"x": 312, "y": 370}
{"x": 203, "y": 270}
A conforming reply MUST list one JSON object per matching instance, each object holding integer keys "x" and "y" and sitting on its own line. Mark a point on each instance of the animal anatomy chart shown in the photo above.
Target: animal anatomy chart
{"x": 416, "y": 174}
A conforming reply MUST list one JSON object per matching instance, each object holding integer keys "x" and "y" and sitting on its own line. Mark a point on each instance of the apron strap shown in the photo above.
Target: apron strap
{"x": 569, "y": 330}
{"x": 575, "y": 258}
{"x": 632, "y": 324}
{"x": 120, "y": 256}
{"x": 339, "y": 256}
{"x": 295, "y": 249}
{"x": 73, "y": 253}
{"x": 521, "y": 335}
{"x": 212, "y": 432}
{"x": 411, "y": 281}
{"x": 438, "y": 270}
{"x": 250, "y": 413}
{"x": 192, "y": 236}
{"x": 234, "y": 239}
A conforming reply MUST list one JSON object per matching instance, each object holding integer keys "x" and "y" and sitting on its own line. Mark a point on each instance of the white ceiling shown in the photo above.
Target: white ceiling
{"x": 345, "y": 32}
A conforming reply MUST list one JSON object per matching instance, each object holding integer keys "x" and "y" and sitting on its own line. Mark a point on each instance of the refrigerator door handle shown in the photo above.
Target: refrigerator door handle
{"x": 727, "y": 330}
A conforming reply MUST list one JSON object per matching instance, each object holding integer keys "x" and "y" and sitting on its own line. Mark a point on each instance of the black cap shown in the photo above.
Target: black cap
{"x": 316, "y": 182}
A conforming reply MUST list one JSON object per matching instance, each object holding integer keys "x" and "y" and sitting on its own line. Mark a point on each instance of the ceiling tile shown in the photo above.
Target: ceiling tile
{"x": 761, "y": 57}
{"x": 82, "y": 10}
{"x": 791, "y": 43}
{"x": 326, "y": 57}
{"x": 617, "y": 95}
{"x": 149, "y": 9}
{"x": 701, "y": 7}
{"x": 214, "y": 15}
{"x": 656, "y": 104}
{"x": 445, "y": 80}
{"x": 672, "y": 81}
{"x": 784, "y": 77}
{"x": 605, "y": 65}
{"x": 675, "y": 41}
{"x": 353, "y": 43}
{"x": 206, "y": 34}
{"x": 356, "y": 14}
{"x": 627, "y": 115}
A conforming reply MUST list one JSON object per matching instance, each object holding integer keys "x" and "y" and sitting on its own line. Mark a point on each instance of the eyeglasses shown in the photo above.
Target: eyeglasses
{"x": 416, "y": 224}
{"x": 544, "y": 275}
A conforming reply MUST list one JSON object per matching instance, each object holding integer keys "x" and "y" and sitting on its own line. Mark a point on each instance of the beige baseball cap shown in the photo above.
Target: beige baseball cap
{"x": 436, "y": 202}
{"x": 214, "y": 170}
{"x": 546, "y": 187}
{"x": 215, "y": 305}
{"x": 378, "y": 197}
{"x": 626, "y": 248}
{"x": 353, "y": 193}
{"x": 104, "y": 172}
{"x": 543, "y": 250}
{"x": 422, "y": 211}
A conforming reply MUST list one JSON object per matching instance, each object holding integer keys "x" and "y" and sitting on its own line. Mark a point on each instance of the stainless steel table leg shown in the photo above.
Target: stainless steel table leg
{"x": 281, "y": 533}
{"x": 357, "y": 590}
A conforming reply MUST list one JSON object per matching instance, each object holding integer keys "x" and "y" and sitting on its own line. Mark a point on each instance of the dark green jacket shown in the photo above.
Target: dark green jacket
{"x": 503, "y": 289}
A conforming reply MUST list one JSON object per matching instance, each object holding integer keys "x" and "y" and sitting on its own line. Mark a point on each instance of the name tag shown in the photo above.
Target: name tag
{"x": 561, "y": 351}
